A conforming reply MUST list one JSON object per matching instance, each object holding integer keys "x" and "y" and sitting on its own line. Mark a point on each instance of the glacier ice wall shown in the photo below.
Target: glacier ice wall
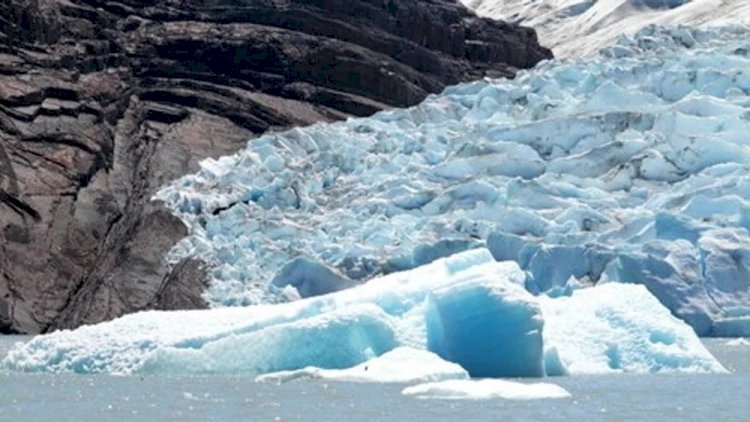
{"x": 468, "y": 309}
{"x": 630, "y": 166}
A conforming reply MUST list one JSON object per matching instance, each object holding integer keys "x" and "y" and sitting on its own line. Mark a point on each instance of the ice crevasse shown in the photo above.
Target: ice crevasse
{"x": 630, "y": 166}
{"x": 466, "y": 315}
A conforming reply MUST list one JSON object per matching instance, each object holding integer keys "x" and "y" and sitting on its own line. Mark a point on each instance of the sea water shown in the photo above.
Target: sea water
{"x": 62, "y": 397}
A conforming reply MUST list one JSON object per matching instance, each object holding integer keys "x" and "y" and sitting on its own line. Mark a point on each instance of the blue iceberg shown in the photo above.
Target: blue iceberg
{"x": 466, "y": 311}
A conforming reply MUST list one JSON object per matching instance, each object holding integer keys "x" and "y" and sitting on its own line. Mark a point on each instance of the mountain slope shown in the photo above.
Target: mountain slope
{"x": 581, "y": 27}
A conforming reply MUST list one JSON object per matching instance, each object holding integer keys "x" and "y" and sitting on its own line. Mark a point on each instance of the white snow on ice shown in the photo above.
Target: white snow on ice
{"x": 468, "y": 309}
{"x": 630, "y": 166}
{"x": 486, "y": 389}
{"x": 582, "y": 27}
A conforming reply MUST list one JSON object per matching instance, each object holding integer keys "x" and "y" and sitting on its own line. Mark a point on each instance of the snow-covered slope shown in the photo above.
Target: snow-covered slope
{"x": 630, "y": 166}
{"x": 580, "y": 27}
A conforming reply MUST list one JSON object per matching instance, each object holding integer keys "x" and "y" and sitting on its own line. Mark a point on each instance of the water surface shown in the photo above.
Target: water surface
{"x": 45, "y": 397}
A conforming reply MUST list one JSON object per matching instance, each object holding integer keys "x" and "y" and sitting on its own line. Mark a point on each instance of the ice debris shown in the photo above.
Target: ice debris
{"x": 737, "y": 342}
{"x": 486, "y": 389}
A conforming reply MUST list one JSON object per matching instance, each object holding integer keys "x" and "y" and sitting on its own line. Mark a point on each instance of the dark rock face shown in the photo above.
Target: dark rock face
{"x": 101, "y": 102}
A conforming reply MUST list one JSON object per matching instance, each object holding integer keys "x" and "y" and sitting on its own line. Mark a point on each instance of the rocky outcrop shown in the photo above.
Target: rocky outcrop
{"x": 102, "y": 101}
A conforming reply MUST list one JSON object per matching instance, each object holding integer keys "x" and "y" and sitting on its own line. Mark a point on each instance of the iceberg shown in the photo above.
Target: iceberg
{"x": 465, "y": 315}
{"x": 737, "y": 342}
{"x": 486, "y": 389}
{"x": 584, "y": 334}
{"x": 400, "y": 365}
{"x": 630, "y": 166}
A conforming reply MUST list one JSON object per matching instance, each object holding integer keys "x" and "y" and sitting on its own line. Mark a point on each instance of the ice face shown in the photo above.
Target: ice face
{"x": 630, "y": 166}
{"x": 468, "y": 309}
{"x": 459, "y": 318}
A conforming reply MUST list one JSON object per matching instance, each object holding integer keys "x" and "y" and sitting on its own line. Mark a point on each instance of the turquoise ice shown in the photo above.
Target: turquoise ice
{"x": 467, "y": 314}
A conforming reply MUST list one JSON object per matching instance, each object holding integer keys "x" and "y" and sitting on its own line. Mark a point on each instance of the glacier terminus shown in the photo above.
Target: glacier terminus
{"x": 631, "y": 166}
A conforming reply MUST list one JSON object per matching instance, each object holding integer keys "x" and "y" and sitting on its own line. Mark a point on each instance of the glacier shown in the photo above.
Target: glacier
{"x": 629, "y": 166}
{"x": 465, "y": 315}
{"x": 575, "y": 28}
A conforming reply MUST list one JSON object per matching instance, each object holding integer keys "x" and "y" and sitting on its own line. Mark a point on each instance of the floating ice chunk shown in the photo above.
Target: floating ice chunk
{"x": 617, "y": 327}
{"x": 486, "y": 389}
{"x": 400, "y": 365}
{"x": 737, "y": 342}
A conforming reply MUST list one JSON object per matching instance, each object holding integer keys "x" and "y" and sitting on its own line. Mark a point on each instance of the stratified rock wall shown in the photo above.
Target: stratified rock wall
{"x": 101, "y": 102}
